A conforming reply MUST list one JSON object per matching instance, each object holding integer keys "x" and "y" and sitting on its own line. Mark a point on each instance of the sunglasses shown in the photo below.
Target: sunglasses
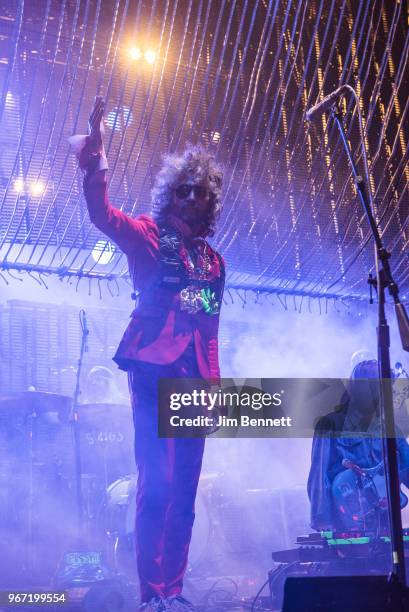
{"x": 182, "y": 191}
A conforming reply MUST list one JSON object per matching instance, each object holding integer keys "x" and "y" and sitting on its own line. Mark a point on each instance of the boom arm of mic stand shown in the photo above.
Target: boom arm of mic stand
{"x": 383, "y": 255}
{"x": 403, "y": 324}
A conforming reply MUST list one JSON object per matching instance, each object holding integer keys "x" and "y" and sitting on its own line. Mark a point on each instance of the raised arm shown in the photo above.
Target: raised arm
{"x": 126, "y": 232}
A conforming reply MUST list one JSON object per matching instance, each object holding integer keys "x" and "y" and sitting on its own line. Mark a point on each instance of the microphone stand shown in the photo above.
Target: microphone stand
{"x": 74, "y": 420}
{"x": 384, "y": 281}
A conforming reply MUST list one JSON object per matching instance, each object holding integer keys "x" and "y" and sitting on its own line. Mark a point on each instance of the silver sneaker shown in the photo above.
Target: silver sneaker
{"x": 177, "y": 603}
{"x": 156, "y": 604}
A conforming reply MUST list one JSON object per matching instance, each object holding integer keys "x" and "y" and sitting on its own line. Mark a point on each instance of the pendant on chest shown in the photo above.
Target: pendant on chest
{"x": 189, "y": 270}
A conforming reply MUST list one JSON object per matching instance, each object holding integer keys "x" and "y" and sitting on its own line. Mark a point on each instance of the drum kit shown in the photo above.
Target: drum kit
{"x": 38, "y": 505}
{"x": 37, "y": 479}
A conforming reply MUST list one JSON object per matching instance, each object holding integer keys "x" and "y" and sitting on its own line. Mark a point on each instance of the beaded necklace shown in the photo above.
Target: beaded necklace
{"x": 199, "y": 270}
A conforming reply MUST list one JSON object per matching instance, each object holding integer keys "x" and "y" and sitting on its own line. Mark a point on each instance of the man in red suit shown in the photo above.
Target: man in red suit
{"x": 173, "y": 333}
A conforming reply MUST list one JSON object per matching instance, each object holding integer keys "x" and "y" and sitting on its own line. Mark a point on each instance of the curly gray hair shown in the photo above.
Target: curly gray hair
{"x": 201, "y": 167}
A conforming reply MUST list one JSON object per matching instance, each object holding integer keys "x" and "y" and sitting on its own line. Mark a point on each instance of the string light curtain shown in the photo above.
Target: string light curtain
{"x": 235, "y": 75}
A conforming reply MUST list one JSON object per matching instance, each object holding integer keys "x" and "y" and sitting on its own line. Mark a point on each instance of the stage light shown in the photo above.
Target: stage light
{"x": 19, "y": 185}
{"x": 103, "y": 252}
{"x": 135, "y": 53}
{"x": 216, "y": 137}
{"x": 37, "y": 188}
{"x": 150, "y": 56}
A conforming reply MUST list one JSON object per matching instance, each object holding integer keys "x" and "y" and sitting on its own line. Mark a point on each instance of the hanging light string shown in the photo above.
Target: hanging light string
{"x": 239, "y": 79}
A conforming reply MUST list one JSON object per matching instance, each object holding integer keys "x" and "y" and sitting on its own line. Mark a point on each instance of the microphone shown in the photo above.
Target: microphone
{"x": 326, "y": 103}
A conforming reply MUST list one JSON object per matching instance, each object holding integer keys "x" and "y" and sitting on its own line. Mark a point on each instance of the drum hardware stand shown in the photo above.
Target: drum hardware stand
{"x": 30, "y": 536}
{"x": 116, "y": 545}
{"x": 384, "y": 281}
{"x": 75, "y": 425}
{"x": 85, "y": 571}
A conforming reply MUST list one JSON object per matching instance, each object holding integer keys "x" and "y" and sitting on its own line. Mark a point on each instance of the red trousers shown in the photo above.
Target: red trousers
{"x": 168, "y": 476}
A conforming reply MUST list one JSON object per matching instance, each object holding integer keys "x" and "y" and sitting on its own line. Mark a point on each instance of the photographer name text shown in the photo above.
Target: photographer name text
{"x": 224, "y": 421}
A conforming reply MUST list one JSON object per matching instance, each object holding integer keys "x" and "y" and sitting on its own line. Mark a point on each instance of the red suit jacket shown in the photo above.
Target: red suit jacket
{"x": 159, "y": 331}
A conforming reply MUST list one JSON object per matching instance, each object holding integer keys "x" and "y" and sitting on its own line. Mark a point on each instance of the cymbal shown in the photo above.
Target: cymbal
{"x": 93, "y": 413}
{"x": 103, "y": 408}
{"x": 39, "y": 402}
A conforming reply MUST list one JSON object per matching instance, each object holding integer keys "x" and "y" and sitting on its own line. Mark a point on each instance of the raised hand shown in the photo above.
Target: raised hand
{"x": 94, "y": 123}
